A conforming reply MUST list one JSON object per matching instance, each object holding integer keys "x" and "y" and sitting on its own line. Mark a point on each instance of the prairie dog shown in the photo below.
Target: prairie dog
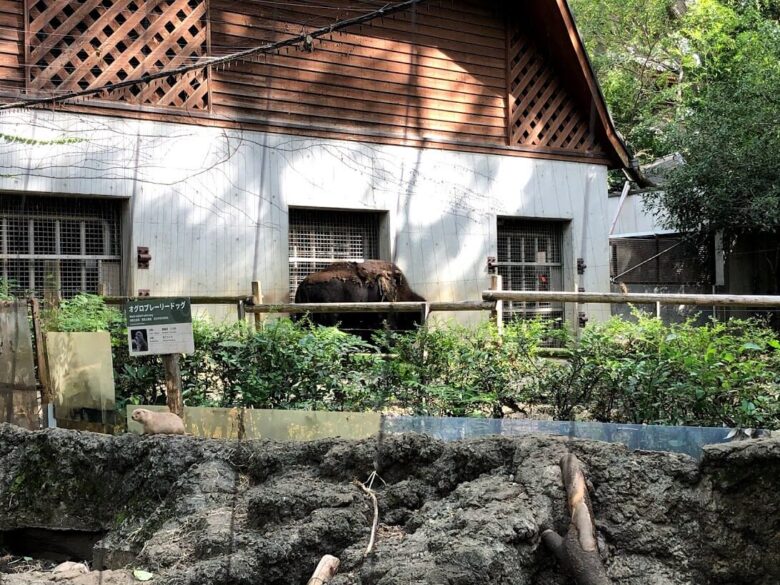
{"x": 158, "y": 423}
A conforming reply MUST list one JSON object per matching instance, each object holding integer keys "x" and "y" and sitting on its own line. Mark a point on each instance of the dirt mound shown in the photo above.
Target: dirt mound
{"x": 199, "y": 511}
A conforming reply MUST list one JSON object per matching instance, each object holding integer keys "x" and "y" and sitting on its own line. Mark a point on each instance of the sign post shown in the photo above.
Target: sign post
{"x": 162, "y": 327}
{"x": 173, "y": 395}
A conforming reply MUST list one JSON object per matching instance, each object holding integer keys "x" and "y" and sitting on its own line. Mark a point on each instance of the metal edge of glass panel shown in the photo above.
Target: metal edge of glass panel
{"x": 674, "y": 439}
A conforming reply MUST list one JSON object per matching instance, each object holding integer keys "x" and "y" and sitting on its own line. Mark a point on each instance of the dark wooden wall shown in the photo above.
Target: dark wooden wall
{"x": 11, "y": 47}
{"x": 436, "y": 71}
{"x": 437, "y": 75}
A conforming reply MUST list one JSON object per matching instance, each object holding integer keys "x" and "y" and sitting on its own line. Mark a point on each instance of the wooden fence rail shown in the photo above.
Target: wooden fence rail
{"x": 412, "y": 307}
{"x": 213, "y": 300}
{"x": 491, "y": 300}
{"x": 748, "y": 301}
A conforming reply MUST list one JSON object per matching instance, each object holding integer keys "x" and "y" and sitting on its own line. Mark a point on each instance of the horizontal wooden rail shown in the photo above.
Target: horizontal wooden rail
{"x": 337, "y": 308}
{"x": 752, "y": 301}
{"x": 193, "y": 300}
{"x": 412, "y": 307}
{"x": 461, "y": 306}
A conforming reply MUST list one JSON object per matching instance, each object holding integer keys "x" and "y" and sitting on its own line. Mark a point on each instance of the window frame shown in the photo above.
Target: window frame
{"x": 31, "y": 257}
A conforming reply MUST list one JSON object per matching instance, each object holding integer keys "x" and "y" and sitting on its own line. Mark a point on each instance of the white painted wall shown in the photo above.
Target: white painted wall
{"x": 212, "y": 203}
{"x": 633, "y": 218}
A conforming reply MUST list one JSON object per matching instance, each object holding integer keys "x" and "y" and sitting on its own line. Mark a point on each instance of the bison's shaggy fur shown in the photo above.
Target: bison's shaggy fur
{"x": 360, "y": 282}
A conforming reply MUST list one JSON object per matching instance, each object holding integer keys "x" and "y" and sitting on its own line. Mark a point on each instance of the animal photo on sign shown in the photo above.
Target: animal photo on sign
{"x": 139, "y": 340}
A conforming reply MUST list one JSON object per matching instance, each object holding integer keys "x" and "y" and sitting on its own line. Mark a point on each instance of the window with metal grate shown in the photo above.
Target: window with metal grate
{"x": 320, "y": 237}
{"x": 59, "y": 246}
{"x": 530, "y": 258}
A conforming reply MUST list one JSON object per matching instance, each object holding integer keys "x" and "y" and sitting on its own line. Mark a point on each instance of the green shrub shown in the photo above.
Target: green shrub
{"x": 5, "y": 290}
{"x": 454, "y": 370}
{"x": 84, "y": 312}
{"x": 722, "y": 373}
{"x": 638, "y": 371}
{"x": 283, "y": 365}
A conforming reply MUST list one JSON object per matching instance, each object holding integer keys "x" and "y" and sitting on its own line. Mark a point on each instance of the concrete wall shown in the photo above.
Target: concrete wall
{"x": 212, "y": 203}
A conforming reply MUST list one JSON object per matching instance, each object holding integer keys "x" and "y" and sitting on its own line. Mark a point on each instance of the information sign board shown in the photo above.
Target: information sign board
{"x": 159, "y": 326}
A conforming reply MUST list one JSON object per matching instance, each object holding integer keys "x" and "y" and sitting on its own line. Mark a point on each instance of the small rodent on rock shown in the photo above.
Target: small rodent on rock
{"x": 158, "y": 423}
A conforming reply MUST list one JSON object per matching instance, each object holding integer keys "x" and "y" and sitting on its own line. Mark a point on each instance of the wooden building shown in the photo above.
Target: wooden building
{"x": 439, "y": 136}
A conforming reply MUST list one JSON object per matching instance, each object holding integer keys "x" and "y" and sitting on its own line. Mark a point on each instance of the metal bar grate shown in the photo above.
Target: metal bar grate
{"x": 530, "y": 258}
{"x": 57, "y": 245}
{"x": 658, "y": 260}
{"x": 318, "y": 238}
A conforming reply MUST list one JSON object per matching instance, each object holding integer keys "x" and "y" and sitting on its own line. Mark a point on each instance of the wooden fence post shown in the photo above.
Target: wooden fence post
{"x": 41, "y": 361}
{"x": 425, "y": 313}
{"x": 241, "y": 311}
{"x": 173, "y": 384}
{"x": 257, "y": 299}
{"x": 496, "y": 284}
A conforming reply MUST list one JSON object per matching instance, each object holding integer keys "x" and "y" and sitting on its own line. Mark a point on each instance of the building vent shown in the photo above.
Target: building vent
{"x": 59, "y": 246}
{"x": 319, "y": 237}
{"x": 530, "y": 258}
{"x": 658, "y": 260}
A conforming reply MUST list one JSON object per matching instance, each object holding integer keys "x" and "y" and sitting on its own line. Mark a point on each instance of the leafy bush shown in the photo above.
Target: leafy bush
{"x": 84, "y": 312}
{"x": 5, "y": 290}
{"x": 458, "y": 371}
{"x": 723, "y": 373}
{"x": 284, "y": 365}
{"x": 638, "y": 371}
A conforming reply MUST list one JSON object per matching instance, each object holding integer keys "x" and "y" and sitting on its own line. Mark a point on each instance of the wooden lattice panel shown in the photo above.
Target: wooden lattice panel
{"x": 541, "y": 111}
{"x": 86, "y": 44}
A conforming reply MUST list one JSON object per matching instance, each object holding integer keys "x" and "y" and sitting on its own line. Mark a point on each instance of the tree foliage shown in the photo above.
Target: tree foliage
{"x": 731, "y": 140}
{"x": 635, "y": 52}
{"x": 700, "y": 77}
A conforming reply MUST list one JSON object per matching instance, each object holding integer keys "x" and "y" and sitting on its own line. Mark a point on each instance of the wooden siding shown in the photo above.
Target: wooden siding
{"x": 434, "y": 76}
{"x": 11, "y": 47}
{"x": 436, "y": 72}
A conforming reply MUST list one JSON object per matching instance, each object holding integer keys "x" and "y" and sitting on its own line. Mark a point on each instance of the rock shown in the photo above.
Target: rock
{"x": 70, "y": 566}
{"x": 69, "y": 578}
{"x": 198, "y": 511}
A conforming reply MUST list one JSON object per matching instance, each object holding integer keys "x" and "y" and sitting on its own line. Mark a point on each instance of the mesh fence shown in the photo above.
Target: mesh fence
{"x": 659, "y": 260}
{"x": 318, "y": 238}
{"x": 59, "y": 245}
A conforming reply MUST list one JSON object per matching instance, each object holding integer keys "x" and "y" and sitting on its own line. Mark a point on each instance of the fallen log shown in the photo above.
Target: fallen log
{"x": 325, "y": 571}
{"x": 578, "y": 551}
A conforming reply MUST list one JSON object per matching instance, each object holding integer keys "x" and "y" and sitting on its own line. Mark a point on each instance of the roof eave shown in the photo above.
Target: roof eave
{"x": 620, "y": 152}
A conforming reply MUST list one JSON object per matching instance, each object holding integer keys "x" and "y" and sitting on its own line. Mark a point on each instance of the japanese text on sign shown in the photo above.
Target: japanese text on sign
{"x": 159, "y": 326}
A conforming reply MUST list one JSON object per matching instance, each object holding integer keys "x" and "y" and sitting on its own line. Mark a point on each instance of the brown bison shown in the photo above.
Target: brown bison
{"x": 360, "y": 282}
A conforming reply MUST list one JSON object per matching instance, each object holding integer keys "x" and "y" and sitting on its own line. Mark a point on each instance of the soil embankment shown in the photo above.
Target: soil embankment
{"x": 196, "y": 511}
